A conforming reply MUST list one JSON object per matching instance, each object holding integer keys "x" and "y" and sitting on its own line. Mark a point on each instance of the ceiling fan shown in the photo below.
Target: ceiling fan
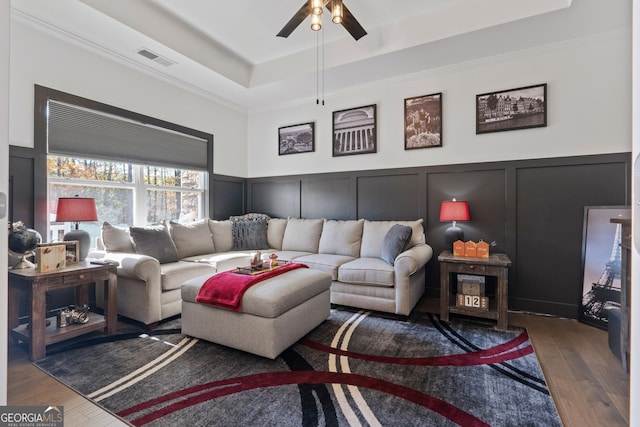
{"x": 339, "y": 12}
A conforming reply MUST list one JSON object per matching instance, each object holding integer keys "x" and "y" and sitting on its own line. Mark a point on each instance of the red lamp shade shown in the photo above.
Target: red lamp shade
{"x": 452, "y": 210}
{"x": 76, "y": 209}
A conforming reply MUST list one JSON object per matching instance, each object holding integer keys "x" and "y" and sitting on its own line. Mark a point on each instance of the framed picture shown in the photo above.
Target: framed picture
{"x": 601, "y": 263}
{"x": 521, "y": 108}
{"x": 296, "y": 139}
{"x": 423, "y": 121}
{"x": 72, "y": 251}
{"x": 354, "y": 131}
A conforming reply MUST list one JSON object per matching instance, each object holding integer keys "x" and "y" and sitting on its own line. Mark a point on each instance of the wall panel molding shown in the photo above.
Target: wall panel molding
{"x": 531, "y": 208}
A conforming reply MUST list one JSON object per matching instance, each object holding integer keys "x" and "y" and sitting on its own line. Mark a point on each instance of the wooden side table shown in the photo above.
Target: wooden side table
{"x": 80, "y": 276}
{"x": 495, "y": 265}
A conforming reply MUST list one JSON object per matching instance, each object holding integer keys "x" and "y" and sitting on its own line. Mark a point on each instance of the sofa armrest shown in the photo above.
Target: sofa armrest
{"x": 133, "y": 266}
{"x": 412, "y": 260}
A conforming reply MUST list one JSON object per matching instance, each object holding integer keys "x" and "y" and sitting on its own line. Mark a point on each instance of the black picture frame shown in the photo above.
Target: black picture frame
{"x": 355, "y": 131}
{"x": 423, "y": 121}
{"x": 512, "y": 109}
{"x": 295, "y": 139}
{"x": 601, "y": 263}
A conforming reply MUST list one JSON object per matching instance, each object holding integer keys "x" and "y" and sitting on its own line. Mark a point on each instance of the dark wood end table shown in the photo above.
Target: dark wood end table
{"x": 80, "y": 276}
{"x": 495, "y": 265}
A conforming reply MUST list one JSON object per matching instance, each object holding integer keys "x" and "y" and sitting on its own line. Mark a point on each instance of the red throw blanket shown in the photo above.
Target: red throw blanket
{"x": 226, "y": 289}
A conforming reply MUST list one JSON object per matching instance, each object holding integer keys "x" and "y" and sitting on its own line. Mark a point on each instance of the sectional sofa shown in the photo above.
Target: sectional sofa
{"x": 375, "y": 265}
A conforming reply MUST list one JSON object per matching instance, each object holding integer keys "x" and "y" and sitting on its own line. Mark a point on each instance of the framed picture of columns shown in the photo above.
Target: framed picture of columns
{"x": 354, "y": 131}
{"x": 296, "y": 139}
{"x": 423, "y": 121}
{"x": 521, "y": 108}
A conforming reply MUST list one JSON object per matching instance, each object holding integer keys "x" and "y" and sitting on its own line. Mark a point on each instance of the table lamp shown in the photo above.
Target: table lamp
{"x": 453, "y": 210}
{"x": 77, "y": 209}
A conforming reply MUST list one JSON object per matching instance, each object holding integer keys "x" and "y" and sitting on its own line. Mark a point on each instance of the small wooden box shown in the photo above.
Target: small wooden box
{"x": 458, "y": 248}
{"x": 482, "y": 249}
{"x": 473, "y": 301}
{"x": 471, "y": 288}
{"x": 470, "y": 248}
{"x": 51, "y": 257}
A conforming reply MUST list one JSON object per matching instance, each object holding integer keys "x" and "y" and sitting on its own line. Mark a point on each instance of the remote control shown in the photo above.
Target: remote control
{"x": 103, "y": 262}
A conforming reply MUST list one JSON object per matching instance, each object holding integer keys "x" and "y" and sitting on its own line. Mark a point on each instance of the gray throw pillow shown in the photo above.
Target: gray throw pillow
{"x": 249, "y": 231}
{"x": 116, "y": 239}
{"x": 394, "y": 242}
{"x": 154, "y": 241}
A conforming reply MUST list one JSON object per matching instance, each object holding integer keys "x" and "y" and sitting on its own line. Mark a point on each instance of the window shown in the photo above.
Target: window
{"x": 125, "y": 193}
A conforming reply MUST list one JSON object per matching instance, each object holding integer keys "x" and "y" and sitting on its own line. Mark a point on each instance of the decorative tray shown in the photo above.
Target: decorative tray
{"x": 265, "y": 267}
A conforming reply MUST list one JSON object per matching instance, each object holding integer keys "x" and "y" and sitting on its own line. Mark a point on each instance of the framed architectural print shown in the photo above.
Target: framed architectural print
{"x": 601, "y": 263}
{"x": 521, "y": 108}
{"x": 354, "y": 131}
{"x": 296, "y": 139}
{"x": 423, "y": 121}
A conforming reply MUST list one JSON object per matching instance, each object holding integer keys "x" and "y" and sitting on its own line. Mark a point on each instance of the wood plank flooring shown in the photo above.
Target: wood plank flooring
{"x": 587, "y": 382}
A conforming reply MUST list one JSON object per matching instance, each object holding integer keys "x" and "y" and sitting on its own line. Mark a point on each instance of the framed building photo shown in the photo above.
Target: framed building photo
{"x": 423, "y": 121}
{"x": 354, "y": 131}
{"x": 601, "y": 263}
{"x": 296, "y": 139}
{"x": 72, "y": 251}
{"x": 512, "y": 109}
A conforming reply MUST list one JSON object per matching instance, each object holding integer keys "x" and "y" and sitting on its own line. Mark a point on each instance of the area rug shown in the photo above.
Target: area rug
{"x": 355, "y": 369}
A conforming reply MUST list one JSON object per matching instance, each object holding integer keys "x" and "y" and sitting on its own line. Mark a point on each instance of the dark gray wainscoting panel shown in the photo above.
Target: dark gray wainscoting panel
{"x": 328, "y": 197}
{"x": 484, "y": 190}
{"x": 21, "y": 186}
{"x": 550, "y": 210}
{"x": 392, "y": 196}
{"x": 228, "y": 197}
{"x": 278, "y": 198}
{"x": 532, "y": 209}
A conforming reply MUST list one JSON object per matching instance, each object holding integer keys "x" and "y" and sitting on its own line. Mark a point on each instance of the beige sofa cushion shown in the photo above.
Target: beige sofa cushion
{"x": 341, "y": 237}
{"x": 374, "y": 232}
{"x": 275, "y": 232}
{"x": 367, "y": 271}
{"x": 193, "y": 238}
{"x": 116, "y": 239}
{"x": 222, "y": 235}
{"x": 329, "y": 263}
{"x": 302, "y": 235}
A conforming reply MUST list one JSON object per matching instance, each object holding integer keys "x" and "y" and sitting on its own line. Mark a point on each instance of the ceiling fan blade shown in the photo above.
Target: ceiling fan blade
{"x": 295, "y": 20}
{"x": 349, "y": 22}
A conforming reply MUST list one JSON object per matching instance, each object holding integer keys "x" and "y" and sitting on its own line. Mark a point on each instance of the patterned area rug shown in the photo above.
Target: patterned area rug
{"x": 355, "y": 369}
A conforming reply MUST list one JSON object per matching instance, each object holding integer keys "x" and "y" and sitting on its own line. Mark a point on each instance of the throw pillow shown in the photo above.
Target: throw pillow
{"x": 249, "y": 231}
{"x": 394, "y": 242}
{"x": 341, "y": 237}
{"x": 302, "y": 235}
{"x": 192, "y": 238}
{"x": 116, "y": 239}
{"x": 154, "y": 241}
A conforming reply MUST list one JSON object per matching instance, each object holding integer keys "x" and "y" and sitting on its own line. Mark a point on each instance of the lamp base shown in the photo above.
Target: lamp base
{"x": 453, "y": 234}
{"x": 84, "y": 242}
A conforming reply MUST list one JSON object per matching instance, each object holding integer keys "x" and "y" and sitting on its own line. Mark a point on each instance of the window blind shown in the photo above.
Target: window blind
{"x": 78, "y": 131}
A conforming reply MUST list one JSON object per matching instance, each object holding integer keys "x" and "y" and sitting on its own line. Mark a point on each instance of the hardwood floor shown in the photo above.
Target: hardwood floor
{"x": 587, "y": 382}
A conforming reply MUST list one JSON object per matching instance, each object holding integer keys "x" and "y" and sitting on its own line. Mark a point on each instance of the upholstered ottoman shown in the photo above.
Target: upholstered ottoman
{"x": 275, "y": 313}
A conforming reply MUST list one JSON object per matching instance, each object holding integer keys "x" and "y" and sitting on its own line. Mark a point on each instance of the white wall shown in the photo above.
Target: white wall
{"x": 4, "y": 188}
{"x": 589, "y": 100}
{"x": 635, "y": 225}
{"x": 44, "y": 59}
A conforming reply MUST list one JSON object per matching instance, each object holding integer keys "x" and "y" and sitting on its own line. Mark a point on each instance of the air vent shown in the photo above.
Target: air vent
{"x": 155, "y": 57}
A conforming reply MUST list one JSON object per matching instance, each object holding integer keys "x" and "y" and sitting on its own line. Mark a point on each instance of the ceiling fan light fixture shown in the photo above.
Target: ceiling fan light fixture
{"x": 316, "y": 22}
{"x": 337, "y": 13}
{"x": 316, "y": 7}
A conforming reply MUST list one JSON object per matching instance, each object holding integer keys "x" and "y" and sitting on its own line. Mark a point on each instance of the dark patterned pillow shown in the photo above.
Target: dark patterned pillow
{"x": 154, "y": 241}
{"x": 249, "y": 231}
{"x": 394, "y": 242}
